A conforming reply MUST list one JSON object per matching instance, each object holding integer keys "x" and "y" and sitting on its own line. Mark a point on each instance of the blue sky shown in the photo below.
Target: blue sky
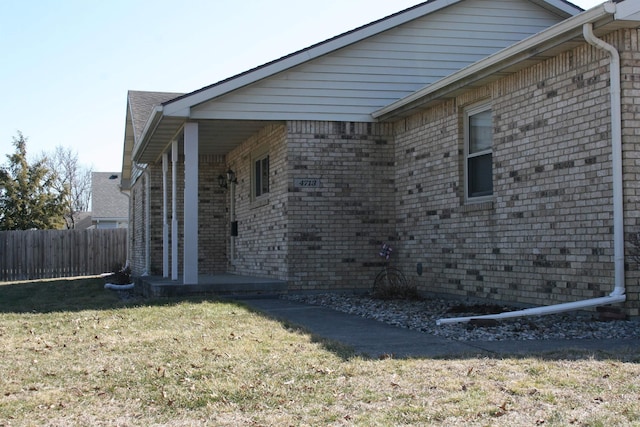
{"x": 67, "y": 64}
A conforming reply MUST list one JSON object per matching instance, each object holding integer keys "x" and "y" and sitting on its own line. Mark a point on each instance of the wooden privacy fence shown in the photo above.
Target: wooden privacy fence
{"x": 43, "y": 254}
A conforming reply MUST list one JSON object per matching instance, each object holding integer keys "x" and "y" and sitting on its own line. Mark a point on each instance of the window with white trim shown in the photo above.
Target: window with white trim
{"x": 478, "y": 153}
{"x": 261, "y": 175}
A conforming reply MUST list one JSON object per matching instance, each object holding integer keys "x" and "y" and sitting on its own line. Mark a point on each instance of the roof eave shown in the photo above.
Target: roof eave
{"x": 129, "y": 142}
{"x": 152, "y": 123}
{"x": 562, "y": 6}
{"x": 500, "y": 61}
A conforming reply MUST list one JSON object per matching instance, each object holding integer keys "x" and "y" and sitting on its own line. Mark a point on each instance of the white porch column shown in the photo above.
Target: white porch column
{"x": 190, "y": 262}
{"x": 174, "y": 205}
{"x": 165, "y": 216}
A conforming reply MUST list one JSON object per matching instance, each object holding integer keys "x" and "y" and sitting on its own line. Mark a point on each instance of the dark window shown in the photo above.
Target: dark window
{"x": 479, "y": 151}
{"x": 261, "y": 176}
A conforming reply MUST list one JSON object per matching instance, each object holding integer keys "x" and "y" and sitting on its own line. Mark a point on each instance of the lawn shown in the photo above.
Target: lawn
{"x": 75, "y": 354}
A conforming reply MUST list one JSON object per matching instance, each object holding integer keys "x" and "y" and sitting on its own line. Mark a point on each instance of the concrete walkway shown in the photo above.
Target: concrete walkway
{"x": 375, "y": 339}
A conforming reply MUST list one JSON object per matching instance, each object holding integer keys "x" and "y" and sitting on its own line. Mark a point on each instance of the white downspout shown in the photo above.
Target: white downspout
{"x": 616, "y": 155}
{"x": 618, "y": 294}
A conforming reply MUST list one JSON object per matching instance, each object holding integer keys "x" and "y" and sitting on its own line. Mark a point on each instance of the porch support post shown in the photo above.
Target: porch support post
{"x": 174, "y": 205}
{"x": 190, "y": 262}
{"x": 165, "y": 216}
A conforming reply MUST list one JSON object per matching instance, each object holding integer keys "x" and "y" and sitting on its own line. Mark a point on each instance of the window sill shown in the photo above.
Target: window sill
{"x": 260, "y": 202}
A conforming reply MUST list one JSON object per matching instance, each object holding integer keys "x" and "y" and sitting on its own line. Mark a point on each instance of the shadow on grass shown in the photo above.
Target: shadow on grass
{"x": 56, "y": 295}
{"x": 78, "y": 294}
{"x": 72, "y": 294}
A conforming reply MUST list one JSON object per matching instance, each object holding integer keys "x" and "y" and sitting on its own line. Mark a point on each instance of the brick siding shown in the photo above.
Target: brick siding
{"x": 261, "y": 242}
{"x": 335, "y": 230}
{"x": 546, "y": 237}
{"x": 136, "y": 247}
{"x": 212, "y": 212}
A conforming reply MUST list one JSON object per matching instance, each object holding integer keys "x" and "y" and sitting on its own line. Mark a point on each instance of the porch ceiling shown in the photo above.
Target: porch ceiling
{"x": 216, "y": 137}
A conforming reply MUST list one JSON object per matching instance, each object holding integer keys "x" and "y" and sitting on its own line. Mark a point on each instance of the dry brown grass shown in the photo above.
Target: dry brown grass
{"x": 90, "y": 359}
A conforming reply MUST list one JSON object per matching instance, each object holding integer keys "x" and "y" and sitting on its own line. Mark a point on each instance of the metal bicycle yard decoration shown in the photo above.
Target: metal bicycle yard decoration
{"x": 390, "y": 281}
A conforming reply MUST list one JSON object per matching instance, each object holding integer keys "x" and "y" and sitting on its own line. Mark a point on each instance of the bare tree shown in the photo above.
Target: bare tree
{"x": 73, "y": 179}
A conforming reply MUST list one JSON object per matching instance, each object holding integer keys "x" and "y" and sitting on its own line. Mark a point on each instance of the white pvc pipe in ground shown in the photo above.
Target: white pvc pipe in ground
{"x": 540, "y": 311}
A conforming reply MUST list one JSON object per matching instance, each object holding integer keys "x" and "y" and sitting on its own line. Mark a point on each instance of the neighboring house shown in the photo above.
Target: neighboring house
{"x": 109, "y": 206}
{"x": 478, "y": 137}
{"x": 82, "y": 221}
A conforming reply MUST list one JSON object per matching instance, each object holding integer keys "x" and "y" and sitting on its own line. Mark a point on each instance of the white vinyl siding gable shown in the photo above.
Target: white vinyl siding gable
{"x": 350, "y": 83}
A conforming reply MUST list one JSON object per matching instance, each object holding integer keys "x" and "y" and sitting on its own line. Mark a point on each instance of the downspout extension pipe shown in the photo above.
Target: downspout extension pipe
{"x": 618, "y": 294}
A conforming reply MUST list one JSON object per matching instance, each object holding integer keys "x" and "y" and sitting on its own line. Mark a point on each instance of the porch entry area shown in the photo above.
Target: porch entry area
{"x": 197, "y": 140}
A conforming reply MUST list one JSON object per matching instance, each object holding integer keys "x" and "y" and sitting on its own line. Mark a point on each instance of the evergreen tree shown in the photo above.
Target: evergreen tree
{"x": 28, "y": 198}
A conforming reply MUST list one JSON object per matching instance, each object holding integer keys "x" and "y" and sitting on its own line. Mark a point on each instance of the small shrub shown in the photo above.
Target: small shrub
{"x": 406, "y": 290}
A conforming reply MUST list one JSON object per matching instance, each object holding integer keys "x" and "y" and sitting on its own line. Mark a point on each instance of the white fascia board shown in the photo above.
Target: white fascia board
{"x": 564, "y": 6}
{"x": 181, "y": 107}
{"x": 530, "y": 44}
{"x": 149, "y": 127}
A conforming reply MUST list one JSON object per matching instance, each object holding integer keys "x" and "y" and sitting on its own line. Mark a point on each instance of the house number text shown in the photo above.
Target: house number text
{"x": 306, "y": 182}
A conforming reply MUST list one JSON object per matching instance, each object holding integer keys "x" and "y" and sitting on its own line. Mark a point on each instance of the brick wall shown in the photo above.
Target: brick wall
{"x": 335, "y": 230}
{"x": 212, "y": 211}
{"x": 136, "y": 227}
{"x": 629, "y": 43}
{"x": 261, "y": 244}
{"x": 547, "y": 235}
{"x": 155, "y": 233}
{"x": 316, "y": 237}
{"x": 213, "y": 227}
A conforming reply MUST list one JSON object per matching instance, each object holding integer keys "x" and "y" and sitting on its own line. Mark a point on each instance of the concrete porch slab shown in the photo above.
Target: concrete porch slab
{"x": 224, "y": 284}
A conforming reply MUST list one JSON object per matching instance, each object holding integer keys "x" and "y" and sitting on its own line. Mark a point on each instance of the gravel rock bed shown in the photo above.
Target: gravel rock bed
{"x": 422, "y": 316}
